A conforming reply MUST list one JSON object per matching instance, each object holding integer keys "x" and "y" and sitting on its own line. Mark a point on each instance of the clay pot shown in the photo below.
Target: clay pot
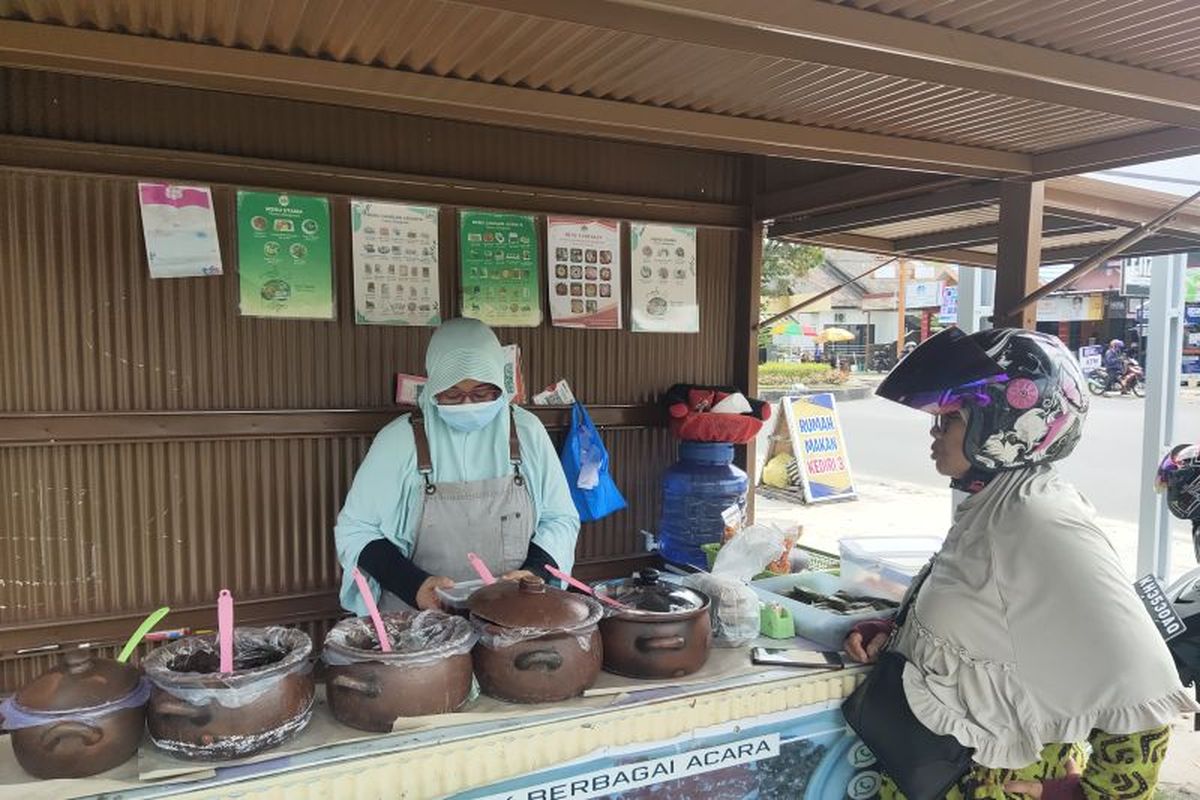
{"x": 537, "y": 644}
{"x": 74, "y": 743}
{"x": 197, "y": 713}
{"x": 665, "y": 633}
{"x": 427, "y": 672}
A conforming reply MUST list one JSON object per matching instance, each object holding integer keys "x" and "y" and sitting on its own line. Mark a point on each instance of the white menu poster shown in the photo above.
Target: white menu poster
{"x": 180, "y": 230}
{"x": 395, "y": 264}
{"x": 663, "y": 280}
{"x": 584, "y": 264}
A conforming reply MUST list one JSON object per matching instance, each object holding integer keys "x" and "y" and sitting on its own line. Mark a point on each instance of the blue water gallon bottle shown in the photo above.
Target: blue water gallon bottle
{"x": 696, "y": 489}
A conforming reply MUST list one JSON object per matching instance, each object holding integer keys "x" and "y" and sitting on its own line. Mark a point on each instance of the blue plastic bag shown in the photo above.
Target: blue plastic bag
{"x": 585, "y": 462}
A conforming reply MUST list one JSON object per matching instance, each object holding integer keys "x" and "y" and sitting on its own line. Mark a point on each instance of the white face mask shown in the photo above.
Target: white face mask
{"x": 471, "y": 417}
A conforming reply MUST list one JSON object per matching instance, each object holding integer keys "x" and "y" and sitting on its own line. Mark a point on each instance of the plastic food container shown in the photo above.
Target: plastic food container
{"x": 825, "y": 628}
{"x": 884, "y": 566}
{"x": 454, "y": 600}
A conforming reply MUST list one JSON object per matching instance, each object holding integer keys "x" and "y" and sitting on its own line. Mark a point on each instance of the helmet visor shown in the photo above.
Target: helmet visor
{"x": 944, "y": 374}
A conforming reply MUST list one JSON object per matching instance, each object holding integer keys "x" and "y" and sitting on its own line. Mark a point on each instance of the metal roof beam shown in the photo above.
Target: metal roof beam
{"x": 990, "y": 234}
{"x": 825, "y": 33}
{"x": 855, "y": 188}
{"x": 1150, "y": 246}
{"x": 872, "y": 244}
{"x": 1065, "y": 202}
{"x": 114, "y": 55}
{"x": 1154, "y": 146}
{"x": 971, "y": 196}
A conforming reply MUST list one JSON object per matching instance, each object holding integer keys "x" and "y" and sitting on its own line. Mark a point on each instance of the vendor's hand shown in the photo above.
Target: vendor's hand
{"x": 517, "y": 574}
{"x": 864, "y": 653}
{"x": 1065, "y": 788}
{"x": 427, "y": 595}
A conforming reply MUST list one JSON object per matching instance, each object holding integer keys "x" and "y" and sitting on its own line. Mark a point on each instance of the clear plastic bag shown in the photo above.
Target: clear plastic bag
{"x": 734, "y": 606}
{"x": 417, "y": 638}
{"x": 16, "y": 716}
{"x": 189, "y": 668}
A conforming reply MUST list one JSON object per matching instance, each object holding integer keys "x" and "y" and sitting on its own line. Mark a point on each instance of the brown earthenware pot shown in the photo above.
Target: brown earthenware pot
{"x": 664, "y": 633}
{"x": 427, "y": 672}
{"x": 538, "y": 644}
{"x": 79, "y": 737}
{"x": 197, "y": 713}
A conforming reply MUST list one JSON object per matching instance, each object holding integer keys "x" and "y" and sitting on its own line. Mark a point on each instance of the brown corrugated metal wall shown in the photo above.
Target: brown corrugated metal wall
{"x": 92, "y": 535}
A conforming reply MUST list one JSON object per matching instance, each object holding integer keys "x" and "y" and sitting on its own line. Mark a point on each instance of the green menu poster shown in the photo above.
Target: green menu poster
{"x": 284, "y": 258}
{"x": 499, "y": 255}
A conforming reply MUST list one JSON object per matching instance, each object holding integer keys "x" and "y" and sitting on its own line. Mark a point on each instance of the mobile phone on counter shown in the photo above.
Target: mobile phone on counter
{"x": 791, "y": 657}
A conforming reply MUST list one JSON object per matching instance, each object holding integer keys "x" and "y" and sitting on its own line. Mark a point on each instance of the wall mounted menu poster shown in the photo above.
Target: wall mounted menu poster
{"x": 284, "y": 265}
{"x": 499, "y": 255}
{"x": 180, "y": 230}
{"x": 584, "y": 265}
{"x": 663, "y": 279}
{"x": 395, "y": 264}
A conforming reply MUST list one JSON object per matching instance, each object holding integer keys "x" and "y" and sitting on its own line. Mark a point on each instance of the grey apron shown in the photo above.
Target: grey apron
{"x": 492, "y": 518}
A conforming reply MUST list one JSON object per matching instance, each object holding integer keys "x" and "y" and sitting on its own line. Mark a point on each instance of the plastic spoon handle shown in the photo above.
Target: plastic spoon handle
{"x": 385, "y": 644}
{"x": 225, "y": 630}
{"x": 148, "y": 623}
{"x": 583, "y": 587}
{"x": 481, "y": 568}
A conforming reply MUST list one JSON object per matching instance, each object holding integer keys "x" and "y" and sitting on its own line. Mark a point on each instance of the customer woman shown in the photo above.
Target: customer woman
{"x": 468, "y": 472}
{"x": 1023, "y": 638}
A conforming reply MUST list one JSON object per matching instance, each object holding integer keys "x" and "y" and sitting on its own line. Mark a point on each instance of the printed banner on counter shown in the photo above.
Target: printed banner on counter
{"x": 584, "y": 265}
{"x": 284, "y": 259}
{"x": 663, "y": 279}
{"x": 817, "y": 444}
{"x": 395, "y": 264}
{"x": 180, "y": 230}
{"x": 499, "y": 255}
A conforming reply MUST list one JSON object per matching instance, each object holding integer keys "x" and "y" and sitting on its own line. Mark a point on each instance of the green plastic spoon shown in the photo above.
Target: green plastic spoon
{"x": 148, "y": 623}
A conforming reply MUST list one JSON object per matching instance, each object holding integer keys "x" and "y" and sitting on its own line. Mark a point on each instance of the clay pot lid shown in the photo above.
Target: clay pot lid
{"x": 530, "y": 603}
{"x": 80, "y": 681}
{"x": 646, "y": 593}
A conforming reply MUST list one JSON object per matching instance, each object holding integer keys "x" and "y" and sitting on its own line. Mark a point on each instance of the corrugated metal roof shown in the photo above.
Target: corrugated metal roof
{"x": 933, "y": 224}
{"x": 447, "y": 39}
{"x": 1152, "y": 34}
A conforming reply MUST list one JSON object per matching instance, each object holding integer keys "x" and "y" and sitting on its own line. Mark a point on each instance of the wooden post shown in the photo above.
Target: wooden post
{"x": 745, "y": 359}
{"x": 1020, "y": 251}
{"x": 902, "y": 267}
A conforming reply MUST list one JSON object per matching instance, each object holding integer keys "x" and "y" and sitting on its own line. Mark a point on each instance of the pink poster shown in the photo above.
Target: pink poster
{"x": 180, "y": 230}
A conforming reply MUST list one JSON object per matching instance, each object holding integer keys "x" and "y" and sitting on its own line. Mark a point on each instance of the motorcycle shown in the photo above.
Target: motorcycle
{"x": 1100, "y": 385}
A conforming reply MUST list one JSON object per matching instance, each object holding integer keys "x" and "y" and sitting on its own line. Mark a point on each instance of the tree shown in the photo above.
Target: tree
{"x": 784, "y": 263}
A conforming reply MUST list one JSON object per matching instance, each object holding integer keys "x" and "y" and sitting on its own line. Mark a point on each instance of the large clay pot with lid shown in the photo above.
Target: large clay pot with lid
{"x": 92, "y": 713}
{"x": 537, "y": 644}
{"x": 663, "y": 631}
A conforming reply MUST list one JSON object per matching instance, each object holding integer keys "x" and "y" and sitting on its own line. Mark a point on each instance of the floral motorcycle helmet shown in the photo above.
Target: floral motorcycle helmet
{"x": 1023, "y": 391}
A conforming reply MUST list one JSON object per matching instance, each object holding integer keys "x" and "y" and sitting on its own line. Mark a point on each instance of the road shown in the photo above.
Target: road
{"x": 889, "y": 441}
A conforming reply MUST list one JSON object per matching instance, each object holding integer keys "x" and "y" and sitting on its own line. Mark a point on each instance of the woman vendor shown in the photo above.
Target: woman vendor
{"x": 468, "y": 472}
{"x": 1023, "y": 638}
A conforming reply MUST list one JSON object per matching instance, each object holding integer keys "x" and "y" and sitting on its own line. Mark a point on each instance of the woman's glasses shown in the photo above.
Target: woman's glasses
{"x": 942, "y": 422}
{"x": 480, "y": 394}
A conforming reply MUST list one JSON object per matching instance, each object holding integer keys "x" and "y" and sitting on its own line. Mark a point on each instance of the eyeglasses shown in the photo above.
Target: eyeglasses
{"x": 942, "y": 422}
{"x": 485, "y": 393}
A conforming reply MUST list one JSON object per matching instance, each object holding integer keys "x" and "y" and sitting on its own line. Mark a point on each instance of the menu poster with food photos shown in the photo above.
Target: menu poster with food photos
{"x": 395, "y": 264}
{"x": 499, "y": 255}
{"x": 285, "y": 267}
{"x": 584, "y": 265}
{"x": 663, "y": 279}
{"x": 180, "y": 230}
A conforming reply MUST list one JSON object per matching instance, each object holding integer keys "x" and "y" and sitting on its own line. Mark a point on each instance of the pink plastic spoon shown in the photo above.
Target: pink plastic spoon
{"x": 225, "y": 630}
{"x": 583, "y": 587}
{"x": 481, "y": 568}
{"x": 385, "y": 644}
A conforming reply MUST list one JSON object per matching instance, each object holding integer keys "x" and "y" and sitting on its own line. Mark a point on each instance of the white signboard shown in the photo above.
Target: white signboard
{"x": 180, "y": 230}
{"x": 1091, "y": 357}
{"x": 1135, "y": 276}
{"x": 949, "y": 310}
{"x": 663, "y": 283}
{"x": 923, "y": 294}
{"x": 626, "y": 777}
{"x": 395, "y": 264}
{"x": 584, "y": 263}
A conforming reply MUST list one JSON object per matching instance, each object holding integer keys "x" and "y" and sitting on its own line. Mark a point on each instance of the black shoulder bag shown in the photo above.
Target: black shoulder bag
{"x": 923, "y": 764}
